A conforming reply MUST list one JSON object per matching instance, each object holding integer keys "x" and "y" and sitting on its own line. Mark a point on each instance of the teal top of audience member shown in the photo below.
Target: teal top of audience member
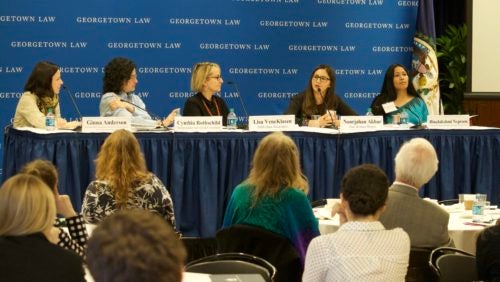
{"x": 288, "y": 214}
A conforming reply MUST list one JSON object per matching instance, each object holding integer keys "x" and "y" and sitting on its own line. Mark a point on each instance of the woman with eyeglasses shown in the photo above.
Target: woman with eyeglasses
{"x": 206, "y": 80}
{"x": 318, "y": 97}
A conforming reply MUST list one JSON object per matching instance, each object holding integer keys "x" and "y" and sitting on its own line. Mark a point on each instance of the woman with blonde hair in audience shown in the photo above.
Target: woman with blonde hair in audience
{"x": 47, "y": 172}
{"x": 273, "y": 197}
{"x": 123, "y": 182}
{"x": 27, "y": 235}
{"x": 361, "y": 249}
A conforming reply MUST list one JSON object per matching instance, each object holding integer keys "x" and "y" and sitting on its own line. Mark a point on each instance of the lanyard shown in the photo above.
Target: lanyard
{"x": 216, "y": 107}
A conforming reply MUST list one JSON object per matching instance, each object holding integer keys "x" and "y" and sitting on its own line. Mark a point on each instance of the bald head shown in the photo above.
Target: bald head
{"x": 416, "y": 162}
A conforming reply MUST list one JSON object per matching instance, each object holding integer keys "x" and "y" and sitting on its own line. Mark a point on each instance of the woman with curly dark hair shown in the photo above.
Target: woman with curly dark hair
{"x": 119, "y": 99}
{"x": 318, "y": 97}
{"x": 398, "y": 89}
{"x": 41, "y": 94}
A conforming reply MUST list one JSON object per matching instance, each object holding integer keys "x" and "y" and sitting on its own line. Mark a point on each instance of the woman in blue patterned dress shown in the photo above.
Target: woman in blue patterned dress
{"x": 397, "y": 88}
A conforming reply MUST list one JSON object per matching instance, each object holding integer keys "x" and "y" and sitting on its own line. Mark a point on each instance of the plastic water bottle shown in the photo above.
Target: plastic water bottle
{"x": 232, "y": 119}
{"x": 369, "y": 112}
{"x": 403, "y": 118}
{"x": 478, "y": 209}
{"x": 50, "y": 120}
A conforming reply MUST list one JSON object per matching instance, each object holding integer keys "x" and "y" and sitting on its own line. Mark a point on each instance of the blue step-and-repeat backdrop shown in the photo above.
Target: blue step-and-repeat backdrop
{"x": 268, "y": 48}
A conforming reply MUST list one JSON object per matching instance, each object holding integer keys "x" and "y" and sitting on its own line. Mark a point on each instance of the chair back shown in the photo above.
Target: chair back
{"x": 270, "y": 246}
{"x": 452, "y": 264}
{"x": 198, "y": 247}
{"x": 318, "y": 203}
{"x": 418, "y": 267}
{"x": 233, "y": 263}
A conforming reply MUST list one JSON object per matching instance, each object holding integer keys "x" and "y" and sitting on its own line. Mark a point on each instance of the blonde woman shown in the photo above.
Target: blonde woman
{"x": 123, "y": 182}
{"x": 206, "y": 80}
{"x": 273, "y": 197}
{"x": 28, "y": 237}
{"x": 77, "y": 240}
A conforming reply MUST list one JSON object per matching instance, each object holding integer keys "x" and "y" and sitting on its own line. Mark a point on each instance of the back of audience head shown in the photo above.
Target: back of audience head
{"x": 116, "y": 73}
{"x": 365, "y": 188}
{"x": 44, "y": 170}
{"x": 27, "y": 206}
{"x": 135, "y": 245}
{"x": 416, "y": 162}
{"x": 121, "y": 163}
{"x": 276, "y": 165}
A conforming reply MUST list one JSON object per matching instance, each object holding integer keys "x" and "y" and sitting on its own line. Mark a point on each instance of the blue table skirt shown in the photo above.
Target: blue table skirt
{"x": 201, "y": 169}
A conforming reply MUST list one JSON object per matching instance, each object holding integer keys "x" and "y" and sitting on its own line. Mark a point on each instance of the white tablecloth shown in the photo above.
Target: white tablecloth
{"x": 464, "y": 236}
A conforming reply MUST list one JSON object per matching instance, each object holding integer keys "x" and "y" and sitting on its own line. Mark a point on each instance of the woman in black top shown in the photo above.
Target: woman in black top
{"x": 206, "y": 80}
{"x": 318, "y": 97}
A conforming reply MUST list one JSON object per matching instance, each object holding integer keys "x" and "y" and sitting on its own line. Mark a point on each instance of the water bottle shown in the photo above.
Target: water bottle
{"x": 50, "y": 120}
{"x": 403, "y": 118}
{"x": 232, "y": 119}
{"x": 369, "y": 112}
{"x": 477, "y": 211}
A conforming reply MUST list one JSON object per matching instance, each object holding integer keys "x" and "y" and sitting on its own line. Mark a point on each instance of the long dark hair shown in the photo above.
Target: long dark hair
{"x": 117, "y": 72}
{"x": 309, "y": 103}
{"x": 40, "y": 84}
{"x": 388, "y": 92}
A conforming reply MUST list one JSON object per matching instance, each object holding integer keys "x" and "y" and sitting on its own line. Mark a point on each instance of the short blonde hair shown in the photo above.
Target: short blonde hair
{"x": 27, "y": 206}
{"x": 275, "y": 167}
{"x": 416, "y": 162}
{"x": 200, "y": 73}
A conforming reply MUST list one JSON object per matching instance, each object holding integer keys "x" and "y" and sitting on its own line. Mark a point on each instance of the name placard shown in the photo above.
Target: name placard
{"x": 105, "y": 124}
{"x": 361, "y": 122}
{"x": 271, "y": 123}
{"x": 439, "y": 121}
{"x": 198, "y": 123}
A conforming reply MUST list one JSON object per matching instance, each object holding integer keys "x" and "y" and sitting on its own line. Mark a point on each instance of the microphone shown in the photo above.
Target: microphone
{"x": 73, "y": 100}
{"x": 324, "y": 102}
{"x": 140, "y": 108}
{"x": 239, "y": 96}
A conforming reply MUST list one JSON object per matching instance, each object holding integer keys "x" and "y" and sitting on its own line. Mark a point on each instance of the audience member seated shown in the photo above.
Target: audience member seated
{"x": 123, "y": 182}
{"x": 397, "y": 88}
{"x": 47, "y": 172}
{"x": 206, "y": 81}
{"x": 488, "y": 253}
{"x": 135, "y": 245}
{"x": 425, "y": 222}
{"x": 41, "y": 93}
{"x": 318, "y": 97}
{"x": 273, "y": 197}
{"x": 28, "y": 238}
{"x": 119, "y": 99}
{"x": 361, "y": 249}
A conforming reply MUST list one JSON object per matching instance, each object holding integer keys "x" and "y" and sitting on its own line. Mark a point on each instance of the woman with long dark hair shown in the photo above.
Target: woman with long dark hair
{"x": 397, "y": 88}
{"x": 318, "y": 97}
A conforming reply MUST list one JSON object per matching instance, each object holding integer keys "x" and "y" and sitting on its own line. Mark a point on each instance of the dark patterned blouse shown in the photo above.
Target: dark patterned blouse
{"x": 151, "y": 195}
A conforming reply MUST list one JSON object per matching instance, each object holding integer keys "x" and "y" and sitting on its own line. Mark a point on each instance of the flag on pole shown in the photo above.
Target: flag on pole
{"x": 425, "y": 70}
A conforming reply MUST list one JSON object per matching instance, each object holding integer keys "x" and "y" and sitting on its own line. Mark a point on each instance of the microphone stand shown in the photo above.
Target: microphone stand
{"x": 72, "y": 100}
{"x": 326, "y": 107}
{"x": 239, "y": 96}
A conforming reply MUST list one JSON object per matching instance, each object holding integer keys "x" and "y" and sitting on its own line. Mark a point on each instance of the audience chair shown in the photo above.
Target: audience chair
{"x": 451, "y": 264}
{"x": 270, "y": 246}
{"x": 198, "y": 247}
{"x": 233, "y": 263}
{"x": 318, "y": 203}
{"x": 448, "y": 202}
{"x": 419, "y": 269}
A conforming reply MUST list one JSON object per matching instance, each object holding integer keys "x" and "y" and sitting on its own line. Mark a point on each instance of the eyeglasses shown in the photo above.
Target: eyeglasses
{"x": 320, "y": 78}
{"x": 219, "y": 77}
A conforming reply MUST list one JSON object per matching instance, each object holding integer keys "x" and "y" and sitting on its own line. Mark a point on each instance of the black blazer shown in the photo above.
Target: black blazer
{"x": 34, "y": 258}
{"x": 197, "y": 106}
